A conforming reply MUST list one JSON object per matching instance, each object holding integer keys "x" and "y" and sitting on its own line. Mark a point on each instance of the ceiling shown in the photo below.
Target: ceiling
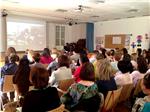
{"x": 77, "y": 10}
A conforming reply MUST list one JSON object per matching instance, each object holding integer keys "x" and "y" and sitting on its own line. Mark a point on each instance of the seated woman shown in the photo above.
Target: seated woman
{"x": 8, "y": 69}
{"x": 83, "y": 96}
{"x": 83, "y": 59}
{"x": 21, "y": 78}
{"x": 105, "y": 80}
{"x": 63, "y": 71}
{"x": 143, "y": 104}
{"x": 123, "y": 77}
{"x": 43, "y": 97}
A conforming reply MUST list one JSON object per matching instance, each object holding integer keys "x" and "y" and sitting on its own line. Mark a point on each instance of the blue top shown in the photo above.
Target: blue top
{"x": 106, "y": 85}
{"x": 146, "y": 107}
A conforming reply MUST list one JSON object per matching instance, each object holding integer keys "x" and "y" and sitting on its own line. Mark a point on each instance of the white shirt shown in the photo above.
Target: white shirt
{"x": 123, "y": 79}
{"x": 136, "y": 75}
{"x": 60, "y": 74}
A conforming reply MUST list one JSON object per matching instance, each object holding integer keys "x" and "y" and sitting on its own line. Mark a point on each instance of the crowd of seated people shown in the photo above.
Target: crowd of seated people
{"x": 100, "y": 72}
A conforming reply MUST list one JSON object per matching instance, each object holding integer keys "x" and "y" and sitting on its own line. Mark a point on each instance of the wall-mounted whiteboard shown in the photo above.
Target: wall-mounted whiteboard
{"x": 26, "y": 34}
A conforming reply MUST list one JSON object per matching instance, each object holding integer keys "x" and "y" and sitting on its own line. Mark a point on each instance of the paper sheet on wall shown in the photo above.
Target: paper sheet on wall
{"x": 116, "y": 40}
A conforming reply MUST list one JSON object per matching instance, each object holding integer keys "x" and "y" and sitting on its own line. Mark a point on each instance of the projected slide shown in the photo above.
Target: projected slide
{"x": 24, "y": 36}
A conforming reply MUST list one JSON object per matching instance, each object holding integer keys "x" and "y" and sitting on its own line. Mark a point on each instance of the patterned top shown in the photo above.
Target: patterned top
{"x": 139, "y": 104}
{"x": 77, "y": 92}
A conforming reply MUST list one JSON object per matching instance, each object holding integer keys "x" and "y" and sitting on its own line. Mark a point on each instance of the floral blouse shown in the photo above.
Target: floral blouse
{"x": 77, "y": 92}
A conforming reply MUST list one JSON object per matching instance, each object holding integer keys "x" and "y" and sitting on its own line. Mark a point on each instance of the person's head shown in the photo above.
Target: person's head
{"x": 139, "y": 51}
{"x": 30, "y": 55}
{"x": 112, "y": 52}
{"x": 125, "y": 66}
{"x": 36, "y": 57}
{"x": 12, "y": 58}
{"x": 117, "y": 56}
{"x": 126, "y": 57}
{"x": 39, "y": 77}
{"x": 142, "y": 64}
{"x": 87, "y": 72}
{"x": 134, "y": 57}
{"x": 63, "y": 60}
{"x": 83, "y": 59}
{"x": 46, "y": 51}
{"x": 145, "y": 85}
{"x": 124, "y": 51}
{"x": 22, "y": 76}
{"x": 105, "y": 70}
{"x": 10, "y": 50}
{"x": 99, "y": 56}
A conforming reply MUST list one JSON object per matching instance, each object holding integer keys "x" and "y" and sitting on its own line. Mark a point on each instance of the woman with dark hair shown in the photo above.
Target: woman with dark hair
{"x": 63, "y": 71}
{"x": 143, "y": 104}
{"x": 11, "y": 50}
{"x": 141, "y": 69}
{"x": 8, "y": 69}
{"x": 46, "y": 57}
{"x": 83, "y": 59}
{"x": 43, "y": 97}
{"x": 21, "y": 77}
{"x": 123, "y": 77}
{"x": 80, "y": 96}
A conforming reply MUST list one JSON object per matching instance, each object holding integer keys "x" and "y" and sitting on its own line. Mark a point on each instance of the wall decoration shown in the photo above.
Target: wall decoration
{"x": 133, "y": 45}
{"x": 116, "y": 40}
{"x": 99, "y": 41}
{"x": 146, "y": 36}
{"x": 127, "y": 41}
{"x": 139, "y": 40}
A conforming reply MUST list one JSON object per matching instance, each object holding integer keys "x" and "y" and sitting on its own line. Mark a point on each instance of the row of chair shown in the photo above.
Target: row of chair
{"x": 111, "y": 100}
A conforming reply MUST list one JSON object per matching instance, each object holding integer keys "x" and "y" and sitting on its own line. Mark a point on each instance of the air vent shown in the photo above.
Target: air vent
{"x": 61, "y": 10}
{"x": 12, "y": 1}
{"x": 131, "y": 17}
{"x": 95, "y": 16}
{"x": 133, "y": 10}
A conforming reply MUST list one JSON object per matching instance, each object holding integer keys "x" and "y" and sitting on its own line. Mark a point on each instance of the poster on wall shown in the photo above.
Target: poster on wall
{"x": 127, "y": 41}
{"x": 116, "y": 40}
{"x": 99, "y": 42}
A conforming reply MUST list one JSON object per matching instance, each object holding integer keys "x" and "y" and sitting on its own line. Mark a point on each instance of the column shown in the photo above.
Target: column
{"x": 3, "y": 34}
{"x": 90, "y": 36}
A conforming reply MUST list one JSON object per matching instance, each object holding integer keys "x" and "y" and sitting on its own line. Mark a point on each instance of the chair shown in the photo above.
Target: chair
{"x": 111, "y": 100}
{"x": 126, "y": 92}
{"x": 17, "y": 90}
{"x": 61, "y": 108}
{"x": 137, "y": 87}
{"x": 63, "y": 85}
{"x": 8, "y": 84}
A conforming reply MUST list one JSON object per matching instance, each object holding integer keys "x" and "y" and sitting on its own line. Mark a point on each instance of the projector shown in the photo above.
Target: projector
{"x": 4, "y": 13}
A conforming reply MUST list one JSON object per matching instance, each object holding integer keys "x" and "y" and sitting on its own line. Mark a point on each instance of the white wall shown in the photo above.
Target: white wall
{"x": 134, "y": 26}
{"x": 72, "y": 33}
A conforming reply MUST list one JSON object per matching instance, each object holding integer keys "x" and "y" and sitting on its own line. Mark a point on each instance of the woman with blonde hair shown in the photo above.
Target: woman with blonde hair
{"x": 105, "y": 81}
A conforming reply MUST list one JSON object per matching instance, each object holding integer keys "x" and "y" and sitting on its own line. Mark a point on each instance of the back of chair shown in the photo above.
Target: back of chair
{"x": 137, "y": 87}
{"x": 63, "y": 85}
{"x": 126, "y": 92}
{"x": 8, "y": 84}
{"x": 111, "y": 99}
{"x": 61, "y": 108}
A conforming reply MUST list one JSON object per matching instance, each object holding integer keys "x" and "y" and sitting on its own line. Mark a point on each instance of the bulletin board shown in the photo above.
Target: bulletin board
{"x": 115, "y": 41}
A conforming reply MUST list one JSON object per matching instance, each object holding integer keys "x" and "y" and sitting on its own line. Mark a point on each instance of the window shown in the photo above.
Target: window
{"x": 60, "y": 35}
{"x": 26, "y": 34}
